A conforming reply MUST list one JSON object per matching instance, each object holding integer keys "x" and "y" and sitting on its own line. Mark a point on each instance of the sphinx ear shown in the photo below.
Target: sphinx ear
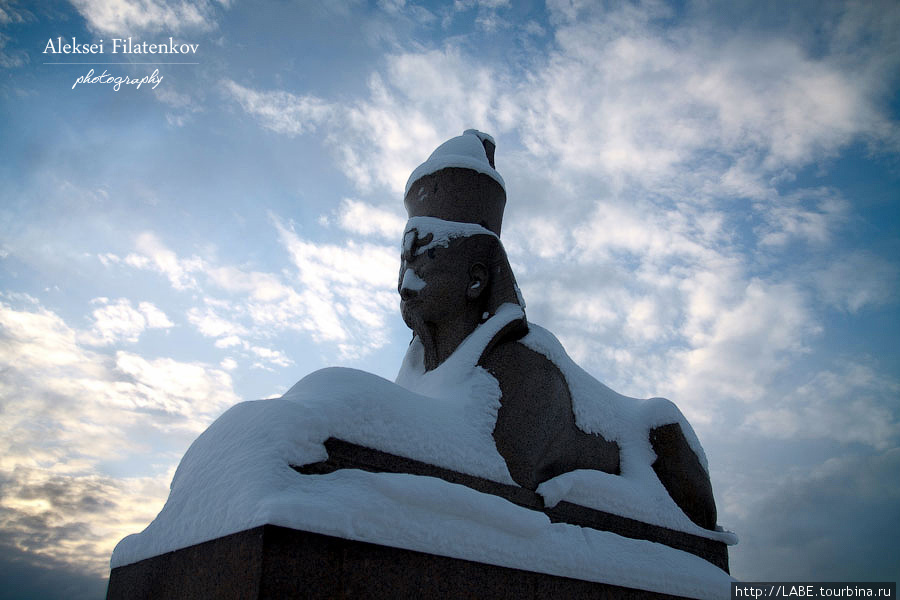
{"x": 478, "y": 281}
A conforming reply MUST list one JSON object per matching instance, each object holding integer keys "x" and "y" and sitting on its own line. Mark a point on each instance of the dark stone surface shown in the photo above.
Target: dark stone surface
{"x": 536, "y": 432}
{"x": 465, "y": 281}
{"x": 459, "y": 195}
{"x": 271, "y": 562}
{"x": 680, "y": 471}
{"x": 227, "y": 567}
{"x": 344, "y": 455}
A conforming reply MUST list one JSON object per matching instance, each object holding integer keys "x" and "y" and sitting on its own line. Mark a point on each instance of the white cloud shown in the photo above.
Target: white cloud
{"x": 341, "y": 293}
{"x": 118, "y": 322}
{"x": 156, "y": 319}
{"x": 392, "y": 6}
{"x": 276, "y": 357}
{"x": 745, "y": 347}
{"x": 850, "y": 404}
{"x": 365, "y": 219}
{"x": 381, "y": 140}
{"x": 791, "y": 218}
{"x": 347, "y": 291}
{"x": 132, "y": 16}
{"x": 10, "y": 59}
{"x": 264, "y": 287}
{"x": 153, "y": 254}
{"x": 10, "y": 13}
{"x": 281, "y": 112}
{"x": 211, "y": 324}
{"x": 228, "y": 341}
{"x": 856, "y": 280}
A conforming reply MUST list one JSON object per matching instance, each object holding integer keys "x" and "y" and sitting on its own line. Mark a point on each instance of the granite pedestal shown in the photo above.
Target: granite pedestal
{"x": 278, "y": 562}
{"x": 270, "y": 562}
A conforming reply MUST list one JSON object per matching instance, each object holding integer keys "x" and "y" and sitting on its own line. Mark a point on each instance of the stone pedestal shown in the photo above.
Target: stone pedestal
{"x": 278, "y": 562}
{"x": 271, "y": 562}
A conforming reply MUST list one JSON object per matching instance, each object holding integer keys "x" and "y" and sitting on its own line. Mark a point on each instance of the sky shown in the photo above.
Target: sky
{"x": 702, "y": 205}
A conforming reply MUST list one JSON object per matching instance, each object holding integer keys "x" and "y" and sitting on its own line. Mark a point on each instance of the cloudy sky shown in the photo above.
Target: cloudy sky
{"x": 703, "y": 205}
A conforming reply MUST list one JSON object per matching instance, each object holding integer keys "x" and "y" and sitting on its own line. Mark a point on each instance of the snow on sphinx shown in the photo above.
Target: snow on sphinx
{"x": 238, "y": 474}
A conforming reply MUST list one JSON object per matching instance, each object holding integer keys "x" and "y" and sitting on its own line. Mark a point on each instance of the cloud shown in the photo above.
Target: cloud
{"x": 133, "y": 16}
{"x": 488, "y": 17}
{"x": 70, "y": 414}
{"x": 834, "y": 523}
{"x": 265, "y": 287}
{"x": 811, "y": 216}
{"x": 621, "y": 96}
{"x": 154, "y": 255}
{"x": 118, "y": 322}
{"x": 857, "y": 280}
{"x": 275, "y": 357}
{"x": 379, "y": 141}
{"x": 11, "y": 13}
{"x": 347, "y": 291}
{"x": 209, "y": 323}
{"x": 340, "y": 294}
{"x": 410, "y": 110}
{"x": 851, "y": 404}
{"x": 358, "y": 217}
{"x": 10, "y": 59}
{"x": 75, "y": 520}
{"x": 228, "y": 341}
{"x": 281, "y": 112}
{"x": 747, "y": 344}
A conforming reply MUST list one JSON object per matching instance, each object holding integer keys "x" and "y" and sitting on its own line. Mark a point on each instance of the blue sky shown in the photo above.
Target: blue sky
{"x": 702, "y": 205}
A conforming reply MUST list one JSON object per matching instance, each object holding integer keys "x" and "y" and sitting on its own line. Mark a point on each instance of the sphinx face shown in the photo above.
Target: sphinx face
{"x": 432, "y": 283}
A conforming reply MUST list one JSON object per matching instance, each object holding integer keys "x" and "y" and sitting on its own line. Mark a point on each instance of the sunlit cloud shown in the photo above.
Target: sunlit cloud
{"x": 76, "y": 520}
{"x": 69, "y": 410}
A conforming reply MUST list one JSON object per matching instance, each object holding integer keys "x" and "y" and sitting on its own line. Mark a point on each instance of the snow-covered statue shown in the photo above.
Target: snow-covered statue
{"x": 490, "y": 446}
{"x": 455, "y": 276}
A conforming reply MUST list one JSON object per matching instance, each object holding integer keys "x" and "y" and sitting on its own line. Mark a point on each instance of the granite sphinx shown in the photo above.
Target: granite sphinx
{"x": 491, "y": 463}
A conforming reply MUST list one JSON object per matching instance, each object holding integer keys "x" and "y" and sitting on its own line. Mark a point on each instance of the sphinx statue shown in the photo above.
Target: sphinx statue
{"x": 491, "y": 446}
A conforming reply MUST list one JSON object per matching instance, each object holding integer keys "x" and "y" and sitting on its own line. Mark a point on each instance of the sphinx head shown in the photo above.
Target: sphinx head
{"x": 454, "y": 273}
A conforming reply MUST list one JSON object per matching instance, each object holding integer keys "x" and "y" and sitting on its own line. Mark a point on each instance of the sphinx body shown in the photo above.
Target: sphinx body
{"x": 240, "y": 473}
